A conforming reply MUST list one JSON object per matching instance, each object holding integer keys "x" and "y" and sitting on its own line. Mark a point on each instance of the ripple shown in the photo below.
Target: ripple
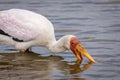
{"x": 9, "y": 2}
{"x": 95, "y": 23}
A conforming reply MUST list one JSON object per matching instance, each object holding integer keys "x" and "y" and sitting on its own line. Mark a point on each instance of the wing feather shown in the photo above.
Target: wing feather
{"x": 22, "y": 25}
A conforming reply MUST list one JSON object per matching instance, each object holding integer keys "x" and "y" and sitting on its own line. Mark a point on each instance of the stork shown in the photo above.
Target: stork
{"x": 24, "y": 29}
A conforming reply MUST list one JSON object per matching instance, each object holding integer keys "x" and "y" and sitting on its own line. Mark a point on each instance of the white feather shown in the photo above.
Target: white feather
{"x": 24, "y": 25}
{"x": 33, "y": 28}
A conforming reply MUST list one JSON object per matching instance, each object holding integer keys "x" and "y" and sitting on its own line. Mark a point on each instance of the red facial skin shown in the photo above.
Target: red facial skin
{"x": 73, "y": 42}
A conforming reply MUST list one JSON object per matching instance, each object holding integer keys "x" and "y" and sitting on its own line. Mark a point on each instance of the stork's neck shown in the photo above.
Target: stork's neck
{"x": 60, "y": 45}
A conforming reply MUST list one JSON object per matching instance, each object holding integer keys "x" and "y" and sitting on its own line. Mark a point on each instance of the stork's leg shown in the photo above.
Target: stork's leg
{"x": 28, "y": 50}
{"x": 25, "y": 51}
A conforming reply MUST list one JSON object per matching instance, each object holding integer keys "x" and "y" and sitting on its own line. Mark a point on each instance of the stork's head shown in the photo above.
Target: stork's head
{"x": 76, "y": 47}
{"x": 72, "y": 43}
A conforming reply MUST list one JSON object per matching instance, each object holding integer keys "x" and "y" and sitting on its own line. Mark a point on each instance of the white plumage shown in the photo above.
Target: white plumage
{"x": 35, "y": 30}
{"x": 25, "y": 25}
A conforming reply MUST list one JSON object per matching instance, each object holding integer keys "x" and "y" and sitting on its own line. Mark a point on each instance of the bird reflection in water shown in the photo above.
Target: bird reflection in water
{"x": 38, "y": 66}
{"x": 78, "y": 67}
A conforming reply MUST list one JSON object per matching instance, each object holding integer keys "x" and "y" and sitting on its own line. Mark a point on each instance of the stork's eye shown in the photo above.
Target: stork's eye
{"x": 73, "y": 43}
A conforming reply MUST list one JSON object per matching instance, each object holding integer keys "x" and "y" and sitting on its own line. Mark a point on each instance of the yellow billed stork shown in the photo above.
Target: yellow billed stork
{"x": 24, "y": 29}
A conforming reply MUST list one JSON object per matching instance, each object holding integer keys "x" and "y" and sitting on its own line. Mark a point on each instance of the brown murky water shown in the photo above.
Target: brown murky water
{"x": 30, "y": 66}
{"x": 95, "y": 22}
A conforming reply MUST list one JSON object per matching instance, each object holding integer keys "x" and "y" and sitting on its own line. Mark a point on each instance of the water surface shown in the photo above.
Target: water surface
{"x": 95, "y": 22}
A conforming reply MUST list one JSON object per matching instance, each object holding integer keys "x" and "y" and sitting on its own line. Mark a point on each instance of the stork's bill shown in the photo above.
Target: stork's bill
{"x": 78, "y": 49}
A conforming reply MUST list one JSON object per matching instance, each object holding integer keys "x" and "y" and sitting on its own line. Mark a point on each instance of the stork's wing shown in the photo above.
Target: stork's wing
{"x": 22, "y": 25}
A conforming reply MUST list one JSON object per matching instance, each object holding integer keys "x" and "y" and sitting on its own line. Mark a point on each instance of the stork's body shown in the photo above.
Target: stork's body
{"x": 22, "y": 25}
{"x": 24, "y": 29}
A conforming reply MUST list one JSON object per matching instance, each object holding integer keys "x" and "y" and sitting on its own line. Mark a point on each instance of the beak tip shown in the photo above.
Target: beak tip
{"x": 93, "y": 61}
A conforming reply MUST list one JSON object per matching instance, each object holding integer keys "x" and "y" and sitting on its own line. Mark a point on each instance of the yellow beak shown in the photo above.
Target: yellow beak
{"x": 79, "y": 49}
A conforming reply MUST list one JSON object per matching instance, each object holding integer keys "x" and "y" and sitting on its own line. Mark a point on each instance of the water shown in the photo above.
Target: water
{"x": 94, "y": 22}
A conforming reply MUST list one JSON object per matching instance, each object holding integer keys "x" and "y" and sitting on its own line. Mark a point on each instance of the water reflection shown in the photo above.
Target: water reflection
{"x": 33, "y": 65}
{"x": 77, "y": 69}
